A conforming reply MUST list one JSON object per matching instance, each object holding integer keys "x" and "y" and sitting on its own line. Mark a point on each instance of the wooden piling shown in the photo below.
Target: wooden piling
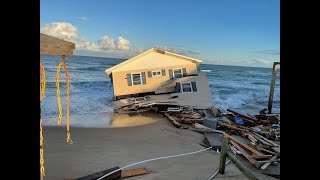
{"x": 241, "y": 167}
{"x": 273, "y": 80}
{"x": 223, "y": 154}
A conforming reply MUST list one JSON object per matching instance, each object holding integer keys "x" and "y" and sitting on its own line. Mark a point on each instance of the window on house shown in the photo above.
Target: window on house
{"x": 156, "y": 73}
{"x": 136, "y": 79}
{"x": 186, "y": 87}
{"x": 177, "y": 73}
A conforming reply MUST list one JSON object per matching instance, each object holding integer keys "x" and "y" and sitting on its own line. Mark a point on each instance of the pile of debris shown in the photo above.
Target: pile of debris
{"x": 184, "y": 115}
{"x": 256, "y": 137}
{"x": 137, "y": 105}
{"x": 267, "y": 125}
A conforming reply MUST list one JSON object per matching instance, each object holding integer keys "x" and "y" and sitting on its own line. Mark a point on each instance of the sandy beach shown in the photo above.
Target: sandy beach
{"x": 98, "y": 149}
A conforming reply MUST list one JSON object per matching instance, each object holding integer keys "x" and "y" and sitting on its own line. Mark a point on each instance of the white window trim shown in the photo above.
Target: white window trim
{"x": 156, "y": 71}
{"x": 174, "y": 75}
{"x": 132, "y": 79}
{"x": 186, "y": 83}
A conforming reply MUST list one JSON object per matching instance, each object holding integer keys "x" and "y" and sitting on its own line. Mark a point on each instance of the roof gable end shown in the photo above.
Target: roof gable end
{"x": 153, "y": 50}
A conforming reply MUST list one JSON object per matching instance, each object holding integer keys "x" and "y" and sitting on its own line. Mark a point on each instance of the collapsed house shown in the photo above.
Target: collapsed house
{"x": 159, "y": 78}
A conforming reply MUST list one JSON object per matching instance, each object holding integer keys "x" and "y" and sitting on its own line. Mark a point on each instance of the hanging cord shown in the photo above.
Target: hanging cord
{"x": 42, "y": 90}
{"x": 69, "y": 140}
{"x": 58, "y": 93}
{"x": 63, "y": 63}
{"x": 148, "y": 160}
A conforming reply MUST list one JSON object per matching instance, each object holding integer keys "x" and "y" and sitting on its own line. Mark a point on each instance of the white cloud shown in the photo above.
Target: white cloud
{"x": 123, "y": 43}
{"x": 62, "y": 30}
{"x": 82, "y": 18}
{"x": 107, "y": 42}
{"x": 106, "y": 46}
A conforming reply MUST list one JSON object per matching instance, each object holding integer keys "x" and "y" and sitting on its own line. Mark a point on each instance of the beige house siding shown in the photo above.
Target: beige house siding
{"x": 153, "y": 60}
{"x": 201, "y": 98}
{"x": 120, "y": 84}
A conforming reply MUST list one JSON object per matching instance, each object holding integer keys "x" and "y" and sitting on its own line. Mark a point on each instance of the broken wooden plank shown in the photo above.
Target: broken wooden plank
{"x": 242, "y": 167}
{"x": 214, "y": 139}
{"x": 262, "y": 157}
{"x": 262, "y": 141}
{"x": 268, "y": 151}
{"x": 258, "y": 146}
{"x": 242, "y": 115}
{"x": 249, "y": 136}
{"x": 268, "y": 163}
{"x": 244, "y": 152}
{"x": 244, "y": 145}
{"x": 97, "y": 175}
{"x": 271, "y": 142}
{"x": 172, "y": 120}
{"x": 231, "y": 126}
{"x": 133, "y": 172}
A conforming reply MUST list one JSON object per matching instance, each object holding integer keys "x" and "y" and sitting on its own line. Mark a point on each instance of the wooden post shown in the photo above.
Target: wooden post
{"x": 273, "y": 80}
{"x": 241, "y": 167}
{"x": 223, "y": 154}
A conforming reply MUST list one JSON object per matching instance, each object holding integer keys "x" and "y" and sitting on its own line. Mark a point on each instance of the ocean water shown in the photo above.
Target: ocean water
{"x": 91, "y": 92}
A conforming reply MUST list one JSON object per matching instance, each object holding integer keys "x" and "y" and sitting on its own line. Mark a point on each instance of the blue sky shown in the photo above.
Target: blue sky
{"x": 230, "y": 32}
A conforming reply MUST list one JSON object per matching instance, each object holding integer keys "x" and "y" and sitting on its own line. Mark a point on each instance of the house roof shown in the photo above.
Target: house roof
{"x": 193, "y": 60}
{"x": 54, "y": 46}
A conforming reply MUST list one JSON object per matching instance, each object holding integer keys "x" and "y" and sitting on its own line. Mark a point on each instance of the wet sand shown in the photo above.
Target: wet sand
{"x": 98, "y": 149}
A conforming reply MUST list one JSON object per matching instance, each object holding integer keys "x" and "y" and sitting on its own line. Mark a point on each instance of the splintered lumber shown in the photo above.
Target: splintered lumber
{"x": 271, "y": 152}
{"x": 224, "y": 154}
{"x": 258, "y": 146}
{"x": 214, "y": 139}
{"x": 244, "y": 145}
{"x": 173, "y": 120}
{"x": 270, "y": 142}
{"x": 268, "y": 163}
{"x": 244, "y": 152}
{"x": 97, "y": 175}
{"x": 261, "y": 140}
{"x": 242, "y": 167}
{"x": 133, "y": 172}
{"x": 242, "y": 115}
{"x": 231, "y": 126}
{"x": 249, "y": 136}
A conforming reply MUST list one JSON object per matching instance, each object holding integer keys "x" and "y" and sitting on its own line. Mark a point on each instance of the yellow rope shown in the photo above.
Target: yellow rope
{"x": 42, "y": 90}
{"x": 63, "y": 62}
{"x": 67, "y": 101}
{"x": 58, "y": 94}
